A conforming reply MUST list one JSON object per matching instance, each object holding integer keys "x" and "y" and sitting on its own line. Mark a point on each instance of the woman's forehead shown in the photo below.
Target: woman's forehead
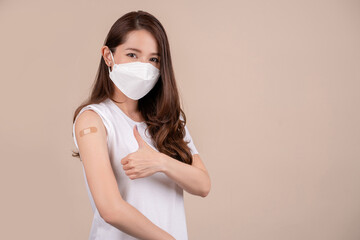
{"x": 141, "y": 41}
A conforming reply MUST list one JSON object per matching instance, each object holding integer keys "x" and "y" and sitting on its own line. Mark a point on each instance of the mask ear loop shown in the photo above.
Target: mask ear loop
{"x": 112, "y": 59}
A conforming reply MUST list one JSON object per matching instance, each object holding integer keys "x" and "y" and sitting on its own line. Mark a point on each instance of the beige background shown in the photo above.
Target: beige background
{"x": 270, "y": 89}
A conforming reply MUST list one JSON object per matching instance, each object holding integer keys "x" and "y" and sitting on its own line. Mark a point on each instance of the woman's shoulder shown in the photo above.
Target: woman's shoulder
{"x": 102, "y": 110}
{"x": 101, "y": 107}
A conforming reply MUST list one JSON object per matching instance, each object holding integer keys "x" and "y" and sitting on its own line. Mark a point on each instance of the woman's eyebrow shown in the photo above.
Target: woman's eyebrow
{"x": 137, "y": 50}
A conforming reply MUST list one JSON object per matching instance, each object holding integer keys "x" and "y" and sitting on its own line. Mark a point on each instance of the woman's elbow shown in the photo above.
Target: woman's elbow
{"x": 106, "y": 215}
{"x": 110, "y": 213}
{"x": 205, "y": 193}
{"x": 206, "y": 189}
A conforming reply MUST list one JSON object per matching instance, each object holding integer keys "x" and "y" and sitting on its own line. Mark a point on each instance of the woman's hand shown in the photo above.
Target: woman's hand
{"x": 144, "y": 162}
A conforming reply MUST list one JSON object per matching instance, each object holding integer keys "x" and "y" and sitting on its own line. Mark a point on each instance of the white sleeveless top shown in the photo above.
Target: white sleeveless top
{"x": 157, "y": 197}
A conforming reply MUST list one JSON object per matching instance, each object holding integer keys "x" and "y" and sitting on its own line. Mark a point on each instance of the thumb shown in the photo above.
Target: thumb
{"x": 138, "y": 138}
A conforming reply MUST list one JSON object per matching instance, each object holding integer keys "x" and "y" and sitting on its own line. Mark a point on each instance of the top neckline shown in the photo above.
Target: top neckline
{"x": 123, "y": 113}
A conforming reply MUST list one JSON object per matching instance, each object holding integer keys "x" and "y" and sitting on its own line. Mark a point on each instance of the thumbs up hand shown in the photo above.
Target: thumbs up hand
{"x": 144, "y": 162}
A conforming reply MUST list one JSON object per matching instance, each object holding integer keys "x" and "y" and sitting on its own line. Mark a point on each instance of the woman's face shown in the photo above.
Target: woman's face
{"x": 139, "y": 46}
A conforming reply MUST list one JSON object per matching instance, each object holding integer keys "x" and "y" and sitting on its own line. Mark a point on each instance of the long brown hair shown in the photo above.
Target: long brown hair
{"x": 161, "y": 106}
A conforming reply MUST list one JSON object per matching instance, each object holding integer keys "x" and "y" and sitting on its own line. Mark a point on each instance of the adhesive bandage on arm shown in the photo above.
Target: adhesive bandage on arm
{"x": 87, "y": 131}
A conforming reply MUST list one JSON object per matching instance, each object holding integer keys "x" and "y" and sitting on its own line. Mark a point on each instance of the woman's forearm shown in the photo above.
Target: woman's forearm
{"x": 190, "y": 178}
{"x": 128, "y": 219}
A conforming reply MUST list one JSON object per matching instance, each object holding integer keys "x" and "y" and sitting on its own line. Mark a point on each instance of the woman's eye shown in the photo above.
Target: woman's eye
{"x": 156, "y": 60}
{"x": 130, "y": 54}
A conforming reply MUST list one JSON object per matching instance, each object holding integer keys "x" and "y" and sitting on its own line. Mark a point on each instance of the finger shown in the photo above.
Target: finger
{"x": 127, "y": 167}
{"x": 132, "y": 177}
{"x": 138, "y": 137}
{"x": 125, "y": 160}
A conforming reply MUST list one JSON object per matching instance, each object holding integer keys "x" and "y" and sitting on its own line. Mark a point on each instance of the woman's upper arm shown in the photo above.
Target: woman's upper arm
{"x": 95, "y": 157}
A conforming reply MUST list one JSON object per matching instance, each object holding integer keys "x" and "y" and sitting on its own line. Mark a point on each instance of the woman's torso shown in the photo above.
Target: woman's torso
{"x": 157, "y": 196}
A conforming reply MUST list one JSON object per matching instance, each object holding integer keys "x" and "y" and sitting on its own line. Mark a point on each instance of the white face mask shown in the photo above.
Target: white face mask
{"x": 134, "y": 79}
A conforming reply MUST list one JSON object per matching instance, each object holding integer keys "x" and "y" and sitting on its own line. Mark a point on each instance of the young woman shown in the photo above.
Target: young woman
{"x": 137, "y": 153}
